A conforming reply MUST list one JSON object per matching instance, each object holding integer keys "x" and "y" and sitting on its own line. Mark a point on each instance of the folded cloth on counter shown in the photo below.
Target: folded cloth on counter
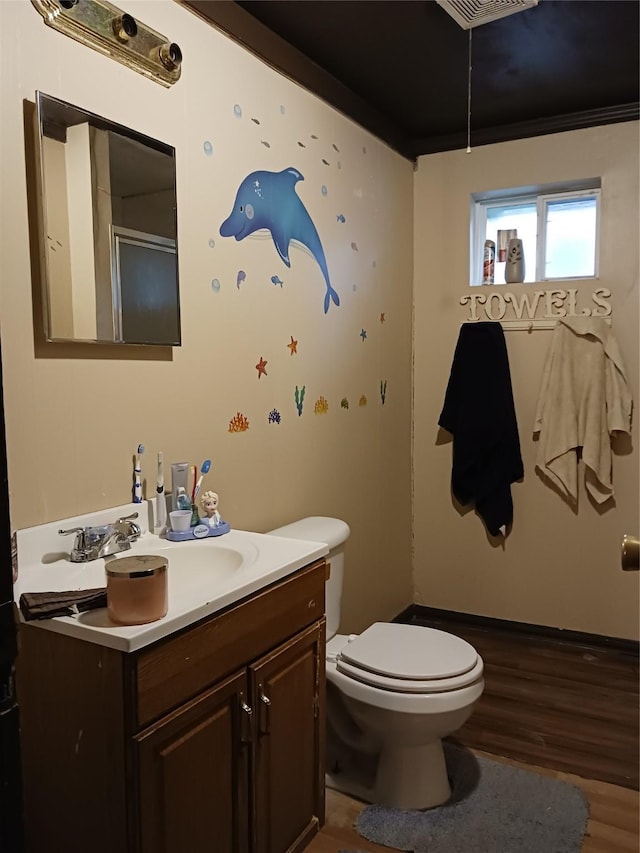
{"x": 46, "y": 605}
{"x": 584, "y": 398}
{"x": 479, "y": 412}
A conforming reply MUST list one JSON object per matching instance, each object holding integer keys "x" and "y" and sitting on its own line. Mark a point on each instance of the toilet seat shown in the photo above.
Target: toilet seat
{"x": 408, "y": 659}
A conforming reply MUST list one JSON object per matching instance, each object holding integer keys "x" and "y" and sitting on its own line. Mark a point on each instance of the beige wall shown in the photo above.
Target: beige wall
{"x": 74, "y": 416}
{"x": 558, "y": 567}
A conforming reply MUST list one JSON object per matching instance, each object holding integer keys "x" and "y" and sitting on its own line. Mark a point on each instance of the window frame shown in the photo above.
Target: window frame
{"x": 538, "y": 197}
{"x": 542, "y": 206}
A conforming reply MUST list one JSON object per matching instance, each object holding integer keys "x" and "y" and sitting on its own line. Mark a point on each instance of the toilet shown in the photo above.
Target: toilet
{"x": 393, "y": 692}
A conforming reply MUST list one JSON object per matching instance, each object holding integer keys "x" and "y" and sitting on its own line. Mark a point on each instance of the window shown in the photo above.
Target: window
{"x": 558, "y": 226}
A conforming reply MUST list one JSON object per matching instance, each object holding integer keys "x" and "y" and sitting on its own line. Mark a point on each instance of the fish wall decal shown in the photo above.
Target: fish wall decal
{"x": 269, "y": 200}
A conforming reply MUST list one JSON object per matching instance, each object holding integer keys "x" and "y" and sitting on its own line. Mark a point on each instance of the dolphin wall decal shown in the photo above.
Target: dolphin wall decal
{"x": 269, "y": 200}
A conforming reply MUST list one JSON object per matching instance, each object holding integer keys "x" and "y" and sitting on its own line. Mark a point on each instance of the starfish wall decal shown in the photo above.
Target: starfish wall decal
{"x": 261, "y": 367}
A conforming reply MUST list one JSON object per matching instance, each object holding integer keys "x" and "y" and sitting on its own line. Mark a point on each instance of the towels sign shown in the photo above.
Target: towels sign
{"x": 505, "y": 306}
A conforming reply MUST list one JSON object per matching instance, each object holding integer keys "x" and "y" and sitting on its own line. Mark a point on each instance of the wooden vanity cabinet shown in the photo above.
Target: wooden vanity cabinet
{"x": 209, "y": 740}
{"x": 193, "y": 775}
{"x": 287, "y": 689}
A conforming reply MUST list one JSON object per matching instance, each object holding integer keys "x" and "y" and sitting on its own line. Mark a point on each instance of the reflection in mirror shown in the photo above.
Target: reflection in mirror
{"x": 109, "y": 230}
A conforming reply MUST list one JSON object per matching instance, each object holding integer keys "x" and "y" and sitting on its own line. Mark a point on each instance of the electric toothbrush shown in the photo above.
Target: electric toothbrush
{"x": 161, "y": 502}
{"x": 137, "y": 476}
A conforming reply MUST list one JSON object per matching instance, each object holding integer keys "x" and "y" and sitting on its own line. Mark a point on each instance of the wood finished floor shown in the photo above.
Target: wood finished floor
{"x": 612, "y": 827}
{"x": 555, "y": 703}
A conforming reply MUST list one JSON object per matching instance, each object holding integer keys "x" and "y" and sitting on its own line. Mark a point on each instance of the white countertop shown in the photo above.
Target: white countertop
{"x": 204, "y": 576}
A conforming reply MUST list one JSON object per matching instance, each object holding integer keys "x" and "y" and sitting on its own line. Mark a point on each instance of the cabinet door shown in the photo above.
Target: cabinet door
{"x": 193, "y": 775}
{"x": 287, "y": 689}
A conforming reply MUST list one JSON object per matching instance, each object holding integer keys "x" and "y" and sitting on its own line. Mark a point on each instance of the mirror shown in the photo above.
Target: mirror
{"x": 108, "y": 230}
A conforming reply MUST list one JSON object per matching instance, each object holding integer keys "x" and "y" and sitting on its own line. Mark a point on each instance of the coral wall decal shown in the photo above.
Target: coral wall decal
{"x": 238, "y": 423}
{"x": 321, "y": 407}
{"x": 269, "y": 200}
{"x": 363, "y": 400}
{"x": 274, "y": 417}
{"x": 383, "y": 390}
{"x": 299, "y": 398}
{"x": 344, "y": 403}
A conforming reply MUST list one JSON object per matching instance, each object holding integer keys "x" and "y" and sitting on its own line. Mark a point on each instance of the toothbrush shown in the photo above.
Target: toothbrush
{"x": 137, "y": 476}
{"x": 193, "y": 470}
{"x": 206, "y": 466}
{"x": 161, "y": 504}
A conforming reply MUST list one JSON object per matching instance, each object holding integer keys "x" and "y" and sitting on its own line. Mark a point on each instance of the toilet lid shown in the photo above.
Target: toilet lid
{"x": 390, "y": 652}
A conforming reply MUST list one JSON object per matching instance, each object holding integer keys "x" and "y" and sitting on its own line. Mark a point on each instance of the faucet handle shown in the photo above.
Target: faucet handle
{"x": 79, "y": 552}
{"x": 80, "y": 542}
{"x": 128, "y": 527}
{"x": 71, "y": 530}
{"x": 127, "y": 517}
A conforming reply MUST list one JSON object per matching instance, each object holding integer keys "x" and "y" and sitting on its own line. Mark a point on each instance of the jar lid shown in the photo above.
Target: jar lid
{"x": 138, "y": 566}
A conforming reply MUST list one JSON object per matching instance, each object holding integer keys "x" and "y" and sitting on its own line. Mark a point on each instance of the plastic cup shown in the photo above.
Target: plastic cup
{"x": 180, "y": 519}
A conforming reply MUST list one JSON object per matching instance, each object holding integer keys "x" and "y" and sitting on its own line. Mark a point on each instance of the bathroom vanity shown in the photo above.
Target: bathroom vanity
{"x": 208, "y": 738}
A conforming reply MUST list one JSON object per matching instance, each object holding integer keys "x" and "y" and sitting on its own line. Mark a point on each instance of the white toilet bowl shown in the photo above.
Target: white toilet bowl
{"x": 397, "y": 719}
{"x": 393, "y": 692}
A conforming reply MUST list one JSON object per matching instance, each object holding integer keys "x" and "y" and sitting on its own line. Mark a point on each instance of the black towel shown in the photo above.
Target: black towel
{"x": 46, "y": 605}
{"x": 479, "y": 412}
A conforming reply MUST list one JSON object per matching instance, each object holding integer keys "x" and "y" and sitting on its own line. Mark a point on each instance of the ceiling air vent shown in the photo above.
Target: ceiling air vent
{"x": 472, "y": 13}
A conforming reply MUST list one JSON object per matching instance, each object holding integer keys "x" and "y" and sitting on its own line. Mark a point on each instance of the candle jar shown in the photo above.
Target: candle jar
{"x": 137, "y": 589}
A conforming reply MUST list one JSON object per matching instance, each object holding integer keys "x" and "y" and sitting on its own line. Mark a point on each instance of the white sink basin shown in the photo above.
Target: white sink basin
{"x": 199, "y": 565}
{"x": 204, "y": 575}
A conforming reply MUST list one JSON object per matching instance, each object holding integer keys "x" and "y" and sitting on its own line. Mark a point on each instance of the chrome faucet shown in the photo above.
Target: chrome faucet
{"x": 92, "y": 543}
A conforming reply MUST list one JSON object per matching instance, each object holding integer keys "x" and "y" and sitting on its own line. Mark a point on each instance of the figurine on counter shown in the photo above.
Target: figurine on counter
{"x": 209, "y": 503}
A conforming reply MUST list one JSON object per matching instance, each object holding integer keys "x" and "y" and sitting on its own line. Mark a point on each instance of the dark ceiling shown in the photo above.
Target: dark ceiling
{"x": 400, "y": 68}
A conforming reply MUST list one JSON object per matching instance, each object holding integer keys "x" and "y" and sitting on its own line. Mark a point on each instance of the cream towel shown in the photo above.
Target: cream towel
{"x": 584, "y": 399}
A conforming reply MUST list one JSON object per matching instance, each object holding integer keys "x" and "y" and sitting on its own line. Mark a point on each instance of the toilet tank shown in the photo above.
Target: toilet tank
{"x": 333, "y": 532}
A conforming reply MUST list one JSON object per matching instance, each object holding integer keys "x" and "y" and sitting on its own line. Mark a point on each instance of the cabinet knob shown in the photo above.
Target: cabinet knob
{"x": 264, "y": 722}
{"x": 245, "y": 721}
{"x": 311, "y": 604}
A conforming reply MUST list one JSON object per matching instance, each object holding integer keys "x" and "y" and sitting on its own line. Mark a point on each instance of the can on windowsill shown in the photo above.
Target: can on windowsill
{"x": 489, "y": 262}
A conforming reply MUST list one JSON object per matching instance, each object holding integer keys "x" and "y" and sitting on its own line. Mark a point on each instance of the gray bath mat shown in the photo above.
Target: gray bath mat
{"x": 494, "y": 808}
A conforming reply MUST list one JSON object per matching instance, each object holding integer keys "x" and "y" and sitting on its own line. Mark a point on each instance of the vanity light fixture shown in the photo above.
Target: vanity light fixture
{"x": 109, "y": 30}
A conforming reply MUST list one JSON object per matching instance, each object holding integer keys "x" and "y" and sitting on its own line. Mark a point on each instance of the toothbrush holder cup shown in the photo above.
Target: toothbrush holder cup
{"x": 180, "y": 519}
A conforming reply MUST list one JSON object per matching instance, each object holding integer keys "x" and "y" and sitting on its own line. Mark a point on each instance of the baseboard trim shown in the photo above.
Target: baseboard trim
{"x": 422, "y": 613}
